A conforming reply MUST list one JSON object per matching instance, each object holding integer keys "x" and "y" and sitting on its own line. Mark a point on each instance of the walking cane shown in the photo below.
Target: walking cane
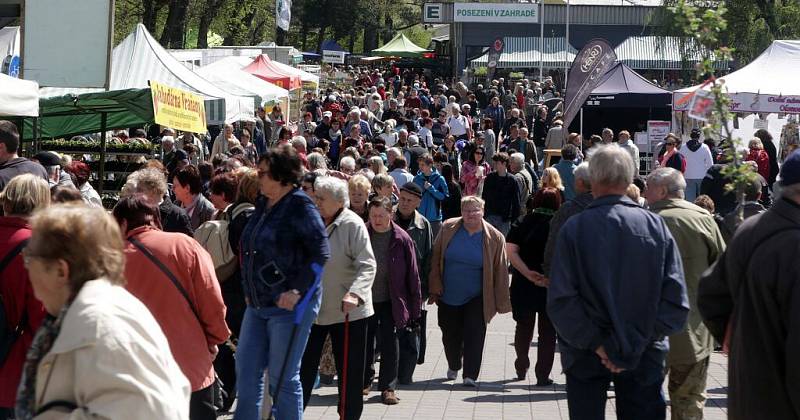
{"x": 299, "y": 311}
{"x": 346, "y": 356}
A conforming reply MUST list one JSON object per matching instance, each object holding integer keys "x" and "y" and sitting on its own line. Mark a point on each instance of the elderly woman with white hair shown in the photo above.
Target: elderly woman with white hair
{"x": 153, "y": 184}
{"x": 346, "y": 297}
{"x": 388, "y": 137}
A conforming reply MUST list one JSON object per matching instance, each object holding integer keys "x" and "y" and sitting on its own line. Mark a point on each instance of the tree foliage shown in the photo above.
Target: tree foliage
{"x": 751, "y": 25}
{"x": 358, "y": 25}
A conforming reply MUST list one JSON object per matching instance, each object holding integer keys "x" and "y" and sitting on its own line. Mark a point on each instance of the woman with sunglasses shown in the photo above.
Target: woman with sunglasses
{"x": 281, "y": 245}
{"x": 672, "y": 158}
{"x": 474, "y": 170}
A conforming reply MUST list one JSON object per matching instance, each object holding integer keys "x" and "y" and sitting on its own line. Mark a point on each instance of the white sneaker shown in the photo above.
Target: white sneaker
{"x": 470, "y": 382}
{"x": 452, "y": 375}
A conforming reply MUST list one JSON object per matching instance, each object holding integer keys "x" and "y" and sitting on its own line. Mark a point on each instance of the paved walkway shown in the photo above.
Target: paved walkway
{"x": 498, "y": 396}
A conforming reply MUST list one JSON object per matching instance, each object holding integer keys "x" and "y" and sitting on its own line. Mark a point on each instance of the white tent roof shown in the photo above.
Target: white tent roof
{"x": 18, "y": 97}
{"x": 139, "y": 58}
{"x": 228, "y": 74}
{"x": 768, "y": 84}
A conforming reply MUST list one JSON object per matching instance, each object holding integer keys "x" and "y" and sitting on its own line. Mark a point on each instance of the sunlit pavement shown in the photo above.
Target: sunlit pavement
{"x": 498, "y": 396}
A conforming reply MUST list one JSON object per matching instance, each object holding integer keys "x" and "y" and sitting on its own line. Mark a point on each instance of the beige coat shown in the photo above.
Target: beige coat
{"x": 112, "y": 361}
{"x": 496, "y": 298}
{"x": 351, "y": 268}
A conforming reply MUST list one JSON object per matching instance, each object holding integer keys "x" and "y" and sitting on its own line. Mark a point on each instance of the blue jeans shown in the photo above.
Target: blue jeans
{"x": 692, "y": 189}
{"x": 638, "y": 391}
{"x": 264, "y": 344}
{"x": 498, "y": 222}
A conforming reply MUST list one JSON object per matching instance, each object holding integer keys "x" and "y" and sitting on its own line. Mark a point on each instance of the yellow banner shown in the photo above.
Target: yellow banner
{"x": 178, "y": 109}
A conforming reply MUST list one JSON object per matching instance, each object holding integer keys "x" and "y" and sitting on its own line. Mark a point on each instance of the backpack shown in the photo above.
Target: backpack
{"x": 8, "y": 333}
{"x": 213, "y": 236}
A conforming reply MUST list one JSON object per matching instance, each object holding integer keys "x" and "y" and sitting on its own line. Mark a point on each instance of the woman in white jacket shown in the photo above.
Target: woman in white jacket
{"x": 100, "y": 354}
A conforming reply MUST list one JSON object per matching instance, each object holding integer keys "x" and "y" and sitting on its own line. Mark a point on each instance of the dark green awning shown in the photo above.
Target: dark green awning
{"x": 70, "y": 115}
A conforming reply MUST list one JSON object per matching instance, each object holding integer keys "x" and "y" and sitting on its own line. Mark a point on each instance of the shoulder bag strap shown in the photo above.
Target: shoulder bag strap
{"x": 167, "y": 272}
{"x": 3, "y": 264}
{"x": 12, "y": 254}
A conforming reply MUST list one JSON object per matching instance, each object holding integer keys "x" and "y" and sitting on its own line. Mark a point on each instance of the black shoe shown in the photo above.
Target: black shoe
{"x": 544, "y": 382}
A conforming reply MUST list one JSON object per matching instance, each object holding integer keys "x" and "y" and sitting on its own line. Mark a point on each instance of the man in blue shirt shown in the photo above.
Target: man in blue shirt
{"x": 613, "y": 316}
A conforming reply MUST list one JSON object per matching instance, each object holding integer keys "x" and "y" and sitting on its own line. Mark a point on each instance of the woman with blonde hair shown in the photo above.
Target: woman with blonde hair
{"x": 100, "y": 353}
{"x": 23, "y": 195}
{"x": 552, "y": 179}
{"x": 377, "y": 166}
{"x": 359, "y": 188}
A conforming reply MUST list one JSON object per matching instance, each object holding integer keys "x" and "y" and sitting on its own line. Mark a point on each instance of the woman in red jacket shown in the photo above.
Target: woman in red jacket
{"x": 759, "y": 156}
{"x": 21, "y": 197}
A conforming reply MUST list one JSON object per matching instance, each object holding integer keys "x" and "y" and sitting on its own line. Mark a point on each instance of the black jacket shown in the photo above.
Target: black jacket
{"x": 713, "y": 185}
{"x": 174, "y": 218}
{"x": 501, "y": 194}
{"x": 754, "y": 287}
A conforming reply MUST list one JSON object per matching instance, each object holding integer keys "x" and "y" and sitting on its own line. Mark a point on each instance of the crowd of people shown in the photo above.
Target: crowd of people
{"x": 251, "y": 268}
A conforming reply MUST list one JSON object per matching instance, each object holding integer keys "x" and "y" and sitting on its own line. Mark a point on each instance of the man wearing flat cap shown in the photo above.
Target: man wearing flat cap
{"x": 750, "y": 301}
{"x": 419, "y": 229}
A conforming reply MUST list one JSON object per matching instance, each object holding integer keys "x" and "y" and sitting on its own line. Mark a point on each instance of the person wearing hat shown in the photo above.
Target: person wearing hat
{"x": 749, "y": 301}
{"x": 412, "y": 347}
{"x": 698, "y": 162}
{"x": 321, "y": 131}
{"x": 56, "y": 176}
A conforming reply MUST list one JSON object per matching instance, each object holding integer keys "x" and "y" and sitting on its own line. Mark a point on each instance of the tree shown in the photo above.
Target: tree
{"x": 707, "y": 27}
{"x": 751, "y": 24}
{"x": 204, "y": 23}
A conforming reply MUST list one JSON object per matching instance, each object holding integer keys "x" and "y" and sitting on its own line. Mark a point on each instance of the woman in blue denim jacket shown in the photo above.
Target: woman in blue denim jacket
{"x": 284, "y": 238}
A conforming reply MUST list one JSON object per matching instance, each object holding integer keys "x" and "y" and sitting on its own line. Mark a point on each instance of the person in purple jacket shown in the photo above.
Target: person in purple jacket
{"x": 396, "y": 296}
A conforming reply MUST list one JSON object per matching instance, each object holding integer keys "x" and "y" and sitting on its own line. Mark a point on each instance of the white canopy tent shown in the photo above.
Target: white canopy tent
{"x": 228, "y": 74}
{"x": 18, "y": 97}
{"x": 139, "y": 58}
{"x": 767, "y": 85}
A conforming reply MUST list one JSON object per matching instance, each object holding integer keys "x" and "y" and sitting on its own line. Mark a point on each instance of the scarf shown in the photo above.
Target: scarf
{"x": 665, "y": 158}
{"x": 42, "y": 343}
{"x": 544, "y": 210}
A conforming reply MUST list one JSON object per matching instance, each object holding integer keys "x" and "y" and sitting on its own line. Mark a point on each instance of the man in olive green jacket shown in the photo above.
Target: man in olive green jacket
{"x": 700, "y": 243}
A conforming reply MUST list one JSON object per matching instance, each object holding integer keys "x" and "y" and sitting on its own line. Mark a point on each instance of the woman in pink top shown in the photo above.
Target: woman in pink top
{"x": 473, "y": 171}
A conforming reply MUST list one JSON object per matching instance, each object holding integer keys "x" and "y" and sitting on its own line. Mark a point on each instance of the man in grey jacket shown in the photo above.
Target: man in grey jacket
{"x": 419, "y": 229}
{"x": 583, "y": 197}
{"x": 613, "y": 319}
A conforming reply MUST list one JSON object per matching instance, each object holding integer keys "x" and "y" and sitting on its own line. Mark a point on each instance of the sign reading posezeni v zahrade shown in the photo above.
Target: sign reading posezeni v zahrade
{"x": 178, "y": 109}
{"x": 495, "y": 12}
{"x": 591, "y": 63}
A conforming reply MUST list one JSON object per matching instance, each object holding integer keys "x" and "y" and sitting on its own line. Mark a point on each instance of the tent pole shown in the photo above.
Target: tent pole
{"x": 581, "y": 129}
{"x": 566, "y": 52}
{"x": 541, "y": 41}
{"x": 35, "y": 135}
{"x": 102, "y": 173}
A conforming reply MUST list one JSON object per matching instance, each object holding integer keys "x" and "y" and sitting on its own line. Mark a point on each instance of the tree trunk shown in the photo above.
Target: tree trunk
{"x": 149, "y": 15}
{"x": 304, "y": 36}
{"x": 371, "y": 33}
{"x": 352, "y": 42}
{"x": 205, "y": 22}
{"x": 321, "y": 37}
{"x": 173, "y": 35}
{"x": 280, "y": 36}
